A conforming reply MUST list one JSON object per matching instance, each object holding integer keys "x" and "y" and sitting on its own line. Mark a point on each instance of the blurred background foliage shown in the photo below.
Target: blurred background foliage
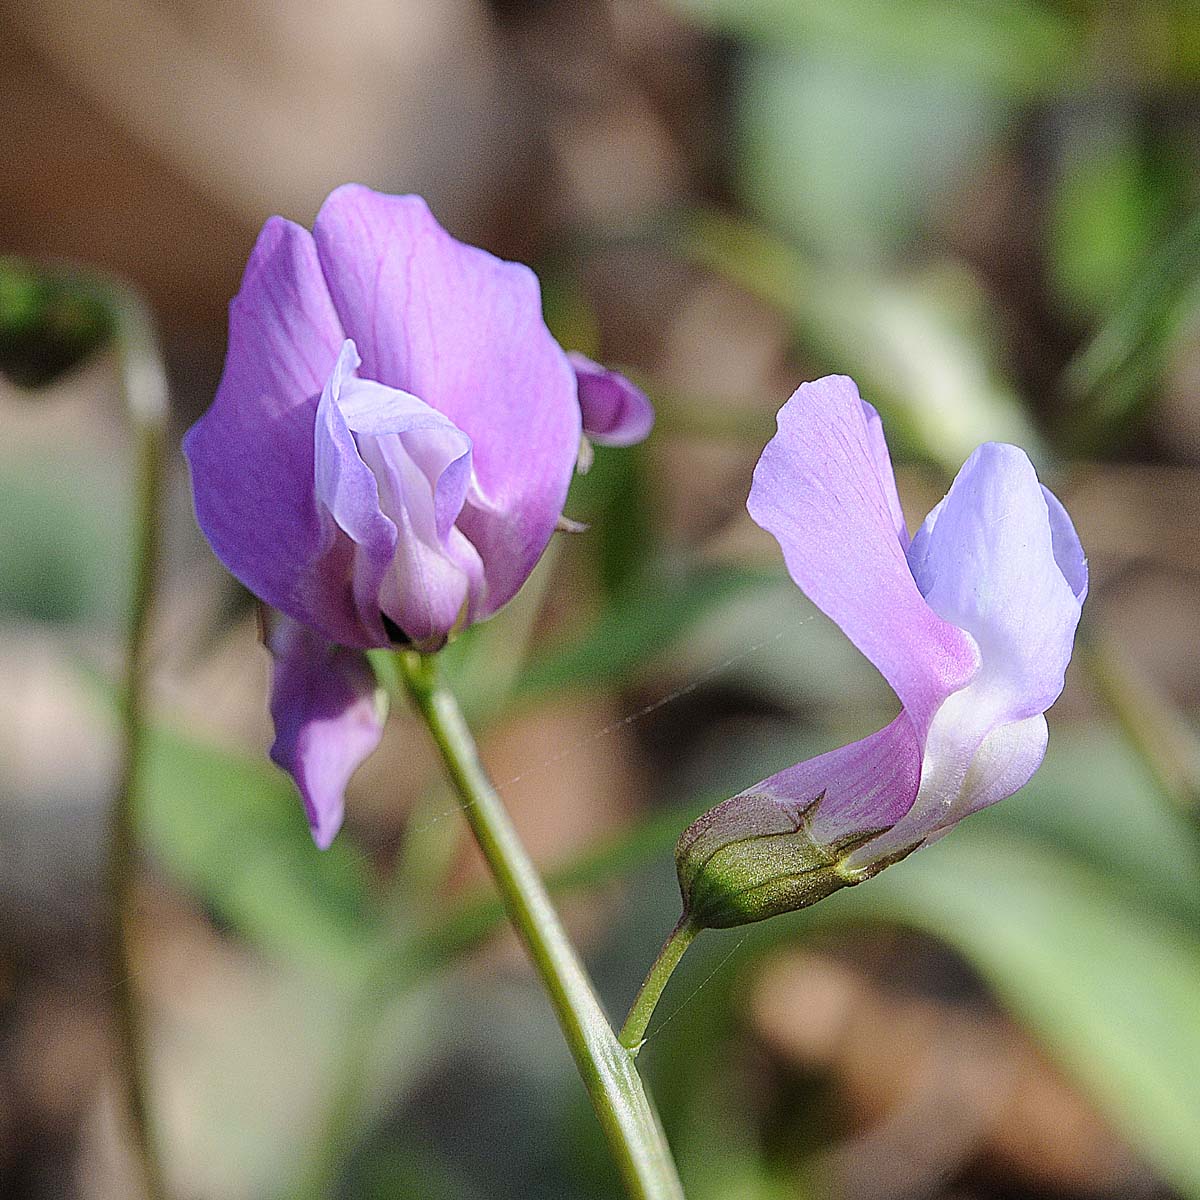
{"x": 986, "y": 212}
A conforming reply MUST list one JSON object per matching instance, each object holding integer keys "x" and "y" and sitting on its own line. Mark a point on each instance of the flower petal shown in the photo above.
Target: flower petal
{"x": 423, "y": 477}
{"x": 869, "y": 784}
{"x": 252, "y": 453}
{"x": 955, "y": 784}
{"x": 462, "y": 330}
{"x": 1005, "y": 761}
{"x": 877, "y": 444}
{"x": 785, "y": 843}
{"x": 818, "y": 490}
{"x": 395, "y": 491}
{"x": 348, "y": 492}
{"x": 327, "y": 719}
{"x": 998, "y": 557}
{"x": 1068, "y": 552}
{"x": 985, "y": 559}
{"x": 615, "y": 413}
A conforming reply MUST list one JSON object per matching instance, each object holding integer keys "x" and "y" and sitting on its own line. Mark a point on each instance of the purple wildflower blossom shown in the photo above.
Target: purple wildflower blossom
{"x": 615, "y": 413}
{"x": 971, "y": 621}
{"x": 387, "y": 455}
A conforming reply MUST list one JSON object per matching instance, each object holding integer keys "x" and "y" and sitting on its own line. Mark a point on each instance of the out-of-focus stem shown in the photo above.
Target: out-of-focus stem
{"x": 145, "y": 390}
{"x": 1155, "y": 730}
{"x": 630, "y": 1124}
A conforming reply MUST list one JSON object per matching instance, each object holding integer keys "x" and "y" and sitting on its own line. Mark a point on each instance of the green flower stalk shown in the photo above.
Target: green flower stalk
{"x": 618, "y": 1096}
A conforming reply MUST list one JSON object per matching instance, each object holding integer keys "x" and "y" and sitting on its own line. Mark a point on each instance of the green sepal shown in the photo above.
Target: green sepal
{"x": 754, "y": 857}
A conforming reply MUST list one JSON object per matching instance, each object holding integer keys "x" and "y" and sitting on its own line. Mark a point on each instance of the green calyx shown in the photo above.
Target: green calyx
{"x": 753, "y": 857}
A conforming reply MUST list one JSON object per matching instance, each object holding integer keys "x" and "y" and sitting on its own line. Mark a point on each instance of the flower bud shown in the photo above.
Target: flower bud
{"x": 754, "y": 857}
{"x": 50, "y": 321}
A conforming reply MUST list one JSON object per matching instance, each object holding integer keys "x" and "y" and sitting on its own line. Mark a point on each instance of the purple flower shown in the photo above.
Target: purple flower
{"x": 615, "y": 413}
{"x": 387, "y": 455}
{"x": 971, "y": 621}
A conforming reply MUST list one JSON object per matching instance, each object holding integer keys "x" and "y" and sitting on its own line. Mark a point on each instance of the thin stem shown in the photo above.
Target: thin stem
{"x": 145, "y": 395}
{"x": 633, "y": 1032}
{"x": 630, "y": 1123}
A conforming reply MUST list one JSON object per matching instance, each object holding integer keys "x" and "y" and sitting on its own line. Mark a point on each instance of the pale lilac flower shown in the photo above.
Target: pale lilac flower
{"x": 387, "y": 455}
{"x": 971, "y": 621}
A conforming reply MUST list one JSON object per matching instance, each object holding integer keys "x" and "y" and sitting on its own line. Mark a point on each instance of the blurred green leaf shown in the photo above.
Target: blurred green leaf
{"x": 1107, "y": 210}
{"x": 1014, "y": 45}
{"x": 1094, "y": 799}
{"x": 715, "y": 1137}
{"x": 638, "y": 626}
{"x": 64, "y": 540}
{"x": 1156, "y": 730}
{"x": 569, "y": 315}
{"x": 387, "y": 1172}
{"x": 1110, "y": 987}
{"x": 1117, "y": 369}
{"x": 769, "y": 640}
{"x": 615, "y": 500}
{"x": 920, "y": 346}
{"x": 232, "y": 831}
{"x": 850, "y": 158}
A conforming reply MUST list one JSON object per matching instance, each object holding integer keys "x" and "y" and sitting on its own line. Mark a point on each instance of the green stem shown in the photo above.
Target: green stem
{"x": 633, "y": 1032}
{"x": 145, "y": 393}
{"x": 630, "y": 1123}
